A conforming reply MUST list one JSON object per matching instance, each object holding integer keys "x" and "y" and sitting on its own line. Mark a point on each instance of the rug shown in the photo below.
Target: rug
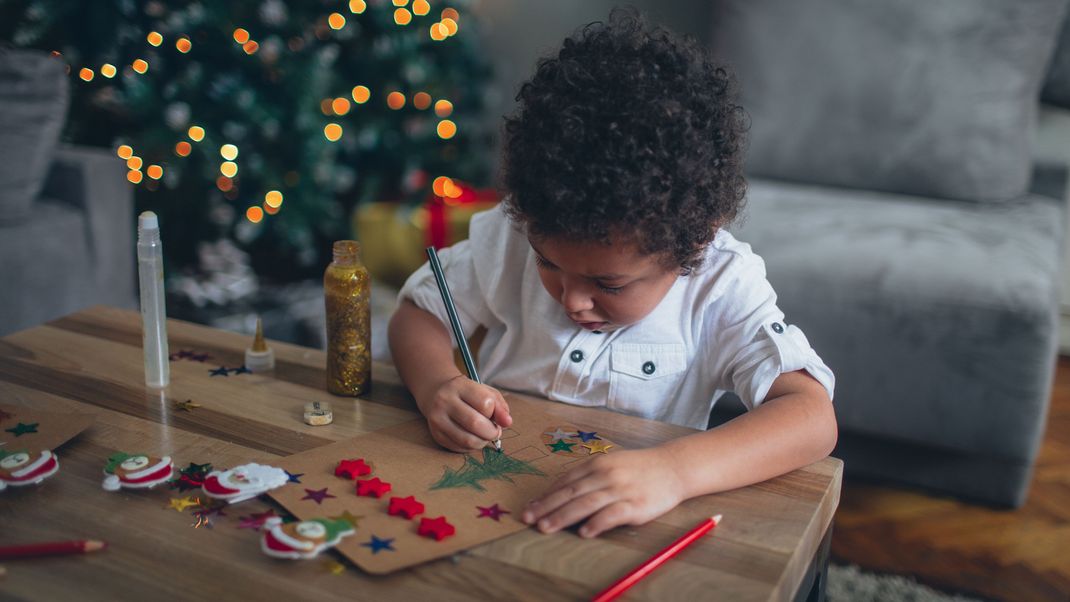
{"x": 848, "y": 583}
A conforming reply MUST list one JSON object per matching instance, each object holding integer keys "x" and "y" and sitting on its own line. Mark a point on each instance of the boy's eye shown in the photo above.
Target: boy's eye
{"x": 543, "y": 263}
{"x": 612, "y": 290}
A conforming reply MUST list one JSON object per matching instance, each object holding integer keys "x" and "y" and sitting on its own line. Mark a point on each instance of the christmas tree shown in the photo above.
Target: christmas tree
{"x": 495, "y": 465}
{"x": 265, "y": 122}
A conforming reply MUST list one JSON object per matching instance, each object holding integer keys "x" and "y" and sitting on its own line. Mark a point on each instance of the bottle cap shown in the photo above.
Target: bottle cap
{"x": 260, "y": 357}
{"x": 148, "y": 221}
{"x": 318, "y": 413}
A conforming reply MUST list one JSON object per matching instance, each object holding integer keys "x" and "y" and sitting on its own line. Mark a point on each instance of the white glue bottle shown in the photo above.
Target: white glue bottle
{"x": 153, "y": 315}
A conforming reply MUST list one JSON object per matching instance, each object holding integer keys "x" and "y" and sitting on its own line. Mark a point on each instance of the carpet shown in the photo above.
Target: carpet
{"x": 848, "y": 583}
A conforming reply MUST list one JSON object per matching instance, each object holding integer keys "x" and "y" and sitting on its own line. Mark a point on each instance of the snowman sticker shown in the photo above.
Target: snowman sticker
{"x": 136, "y": 471}
{"x": 20, "y": 468}
{"x": 243, "y": 482}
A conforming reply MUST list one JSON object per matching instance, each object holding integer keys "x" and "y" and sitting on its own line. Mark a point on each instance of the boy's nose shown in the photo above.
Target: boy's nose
{"x": 575, "y": 300}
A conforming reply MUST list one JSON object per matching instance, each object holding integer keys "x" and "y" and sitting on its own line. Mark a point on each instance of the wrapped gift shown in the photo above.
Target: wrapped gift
{"x": 393, "y": 235}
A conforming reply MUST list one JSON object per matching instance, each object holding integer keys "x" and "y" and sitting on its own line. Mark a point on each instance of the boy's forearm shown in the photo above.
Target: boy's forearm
{"x": 421, "y": 348}
{"x": 786, "y": 432}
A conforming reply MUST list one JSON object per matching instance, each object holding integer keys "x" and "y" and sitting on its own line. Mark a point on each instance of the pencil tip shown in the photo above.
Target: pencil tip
{"x": 716, "y": 519}
{"x": 94, "y": 544}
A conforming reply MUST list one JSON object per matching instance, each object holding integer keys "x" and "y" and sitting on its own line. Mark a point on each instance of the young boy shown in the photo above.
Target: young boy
{"x": 622, "y": 166}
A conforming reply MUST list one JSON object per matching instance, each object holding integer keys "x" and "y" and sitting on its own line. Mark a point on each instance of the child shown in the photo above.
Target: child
{"x": 622, "y": 166}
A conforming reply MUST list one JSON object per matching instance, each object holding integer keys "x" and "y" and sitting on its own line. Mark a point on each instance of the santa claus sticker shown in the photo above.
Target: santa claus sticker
{"x": 136, "y": 471}
{"x": 243, "y": 482}
{"x": 305, "y": 539}
{"x": 20, "y": 468}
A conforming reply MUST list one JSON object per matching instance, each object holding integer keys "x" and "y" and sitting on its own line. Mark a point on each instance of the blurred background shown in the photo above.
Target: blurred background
{"x": 908, "y": 168}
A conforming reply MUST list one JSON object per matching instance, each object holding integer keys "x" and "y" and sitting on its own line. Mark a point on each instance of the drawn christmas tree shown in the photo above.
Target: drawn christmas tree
{"x": 495, "y": 465}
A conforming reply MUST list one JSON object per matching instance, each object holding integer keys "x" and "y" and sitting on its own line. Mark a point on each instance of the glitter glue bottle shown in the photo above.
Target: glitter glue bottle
{"x": 260, "y": 358}
{"x": 347, "y": 293}
{"x": 153, "y": 315}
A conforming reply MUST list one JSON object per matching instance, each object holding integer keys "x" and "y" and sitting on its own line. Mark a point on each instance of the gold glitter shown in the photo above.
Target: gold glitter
{"x": 346, "y": 287}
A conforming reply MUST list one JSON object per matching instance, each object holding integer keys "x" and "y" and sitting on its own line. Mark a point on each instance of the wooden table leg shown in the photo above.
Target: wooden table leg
{"x": 812, "y": 588}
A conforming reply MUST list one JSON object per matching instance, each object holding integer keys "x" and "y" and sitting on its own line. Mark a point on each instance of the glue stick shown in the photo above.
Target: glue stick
{"x": 153, "y": 314}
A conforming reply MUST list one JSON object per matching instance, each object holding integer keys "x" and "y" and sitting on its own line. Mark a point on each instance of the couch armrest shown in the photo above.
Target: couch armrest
{"x": 93, "y": 180}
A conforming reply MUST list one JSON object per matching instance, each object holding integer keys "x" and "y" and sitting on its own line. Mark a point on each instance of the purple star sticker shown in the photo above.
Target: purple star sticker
{"x": 585, "y": 436}
{"x": 317, "y": 495}
{"x": 491, "y": 512}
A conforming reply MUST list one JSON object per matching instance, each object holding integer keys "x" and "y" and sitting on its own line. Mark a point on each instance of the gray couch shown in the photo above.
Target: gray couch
{"x": 66, "y": 213}
{"x": 904, "y": 225}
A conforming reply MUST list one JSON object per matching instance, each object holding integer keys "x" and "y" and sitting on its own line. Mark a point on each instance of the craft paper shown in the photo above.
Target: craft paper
{"x": 39, "y": 431}
{"x": 480, "y": 495}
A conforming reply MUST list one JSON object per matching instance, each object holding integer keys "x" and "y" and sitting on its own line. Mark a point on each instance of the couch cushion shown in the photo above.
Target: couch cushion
{"x": 938, "y": 317}
{"x": 926, "y": 97}
{"x": 1057, "y": 85}
{"x": 33, "y": 109}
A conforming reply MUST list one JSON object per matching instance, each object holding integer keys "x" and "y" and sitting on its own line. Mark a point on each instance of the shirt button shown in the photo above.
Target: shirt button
{"x": 649, "y": 367}
{"x": 576, "y": 356}
{"x": 777, "y": 328}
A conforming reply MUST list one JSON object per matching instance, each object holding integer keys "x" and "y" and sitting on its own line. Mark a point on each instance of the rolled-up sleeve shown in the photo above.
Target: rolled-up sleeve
{"x": 459, "y": 269}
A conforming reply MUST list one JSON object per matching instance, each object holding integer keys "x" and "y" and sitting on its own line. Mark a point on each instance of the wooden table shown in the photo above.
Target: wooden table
{"x": 771, "y": 545}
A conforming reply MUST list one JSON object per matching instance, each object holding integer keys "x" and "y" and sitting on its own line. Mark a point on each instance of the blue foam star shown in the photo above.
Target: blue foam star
{"x": 377, "y": 544}
{"x": 294, "y": 478}
{"x": 585, "y": 437}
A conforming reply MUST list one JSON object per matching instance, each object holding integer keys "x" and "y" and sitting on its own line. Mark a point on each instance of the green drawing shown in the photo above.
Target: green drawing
{"x": 495, "y": 465}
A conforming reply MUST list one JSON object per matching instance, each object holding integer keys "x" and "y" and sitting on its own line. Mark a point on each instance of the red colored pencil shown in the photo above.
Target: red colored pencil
{"x": 656, "y": 560}
{"x": 51, "y": 548}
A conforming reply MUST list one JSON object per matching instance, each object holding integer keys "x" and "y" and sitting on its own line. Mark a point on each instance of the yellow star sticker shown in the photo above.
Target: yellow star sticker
{"x": 187, "y": 405}
{"x": 334, "y": 567}
{"x": 349, "y": 518}
{"x": 598, "y": 447}
{"x": 181, "y": 503}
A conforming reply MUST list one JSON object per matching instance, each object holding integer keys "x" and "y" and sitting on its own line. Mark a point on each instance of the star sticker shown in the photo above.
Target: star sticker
{"x": 22, "y": 428}
{"x": 191, "y": 477}
{"x": 491, "y": 512}
{"x": 406, "y": 507}
{"x": 348, "y": 517}
{"x": 220, "y": 371}
{"x": 377, "y": 544}
{"x": 372, "y": 487}
{"x": 351, "y": 469}
{"x": 187, "y": 405}
{"x": 241, "y": 370}
{"x": 559, "y": 434}
{"x": 179, "y": 504}
{"x": 334, "y": 567}
{"x": 199, "y": 357}
{"x": 180, "y": 355}
{"x": 561, "y": 446}
{"x": 4, "y": 415}
{"x": 255, "y": 520}
{"x": 317, "y": 495}
{"x": 598, "y": 447}
{"x": 585, "y": 436}
{"x": 435, "y": 528}
{"x": 294, "y": 478}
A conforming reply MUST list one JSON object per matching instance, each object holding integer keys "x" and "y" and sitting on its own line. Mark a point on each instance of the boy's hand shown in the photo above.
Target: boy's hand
{"x": 623, "y": 488}
{"x": 464, "y": 415}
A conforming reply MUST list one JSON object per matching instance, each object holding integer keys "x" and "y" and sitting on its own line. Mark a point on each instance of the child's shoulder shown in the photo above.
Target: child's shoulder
{"x": 729, "y": 270}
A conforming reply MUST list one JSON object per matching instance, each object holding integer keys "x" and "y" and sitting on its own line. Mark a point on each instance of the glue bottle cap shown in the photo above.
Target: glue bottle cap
{"x": 148, "y": 221}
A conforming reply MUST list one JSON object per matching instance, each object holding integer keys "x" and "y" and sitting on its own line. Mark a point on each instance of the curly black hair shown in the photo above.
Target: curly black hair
{"x": 630, "y": 133}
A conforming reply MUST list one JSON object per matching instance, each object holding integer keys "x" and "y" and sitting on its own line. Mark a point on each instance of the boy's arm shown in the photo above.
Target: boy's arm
{"x": 459, "y": 411}
{"x": 796, "y": 426}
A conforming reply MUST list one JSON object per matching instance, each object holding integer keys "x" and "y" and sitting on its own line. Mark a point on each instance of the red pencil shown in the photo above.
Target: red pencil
{"x": 51, "y": 549}
{"x": 656, "y": 560}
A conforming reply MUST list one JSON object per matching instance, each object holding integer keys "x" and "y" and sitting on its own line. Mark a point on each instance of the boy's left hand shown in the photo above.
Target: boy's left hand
{"x": 625, "y": 488}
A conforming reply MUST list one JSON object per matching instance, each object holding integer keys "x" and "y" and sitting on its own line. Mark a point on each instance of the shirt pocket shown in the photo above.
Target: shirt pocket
{"x": 643, "y": 377}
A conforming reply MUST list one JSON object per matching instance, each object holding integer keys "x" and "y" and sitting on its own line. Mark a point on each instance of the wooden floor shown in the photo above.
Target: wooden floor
{"x": 1022, "y": 554}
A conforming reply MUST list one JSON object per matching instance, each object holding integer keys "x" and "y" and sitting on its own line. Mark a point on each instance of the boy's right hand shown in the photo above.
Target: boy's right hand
{"x": 464, "y": 415}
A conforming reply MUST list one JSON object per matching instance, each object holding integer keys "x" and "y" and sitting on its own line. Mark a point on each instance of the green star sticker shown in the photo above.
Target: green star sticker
{"x": 561, "y": 446}
{"x": 22, "y": 428}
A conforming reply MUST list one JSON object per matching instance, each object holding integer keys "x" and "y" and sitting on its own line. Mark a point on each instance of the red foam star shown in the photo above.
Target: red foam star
{"x": 407, "y": 507}
{"x": 436, "y": 528}
{"x": 351, "y": 469}
{"x": 372, "y": 487}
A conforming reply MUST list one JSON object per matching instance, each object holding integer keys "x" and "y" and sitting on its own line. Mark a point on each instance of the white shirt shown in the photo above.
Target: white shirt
{"x": 718, "y": 329}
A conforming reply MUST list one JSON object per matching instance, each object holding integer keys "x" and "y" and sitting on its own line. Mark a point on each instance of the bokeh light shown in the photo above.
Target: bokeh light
{"x": 140, "y": 65}
{"x": 395, "y": 100}
{"x": 357, "y": 6}
{"x": 451, "y": 26}
{"x": 224, "y": 183}
{"x": 107, "y": 70}
{"x": 183, "y": 44}
{"x": 229, "y": 152}
{"x": 133, "y": 176}
{"x": 154, "y": 38}
{"x": 273, "y": 198}
{"x": 450, "y": 190}
{"x": 325, "y": 106}
{"x": 241, "y": 35}
{"x": 446, "y": 129}
{"x": 402, "y": 16}
{"x": 401, "y": 2}
{"x": 361, "y": 94}
{"x": 183, "y": 148}
{"x": 332, "y": 131}
{"x": 421, "y": 7}
{"x": 421, "y": 100}
{"x": 443, "y": 108}
{"x": 86, "y": 74}
{"x": 125, "y": 151}
{"x": 250, "y": 47}
{"x": 154, "y": 171}
{"x": 271, "y": 210}
{"x": 134, "y": 162}
{"x": 228, "y": 168}
{"x": 450, "y": 13}
{"x": 340, "y": 106}
{"x": 196, "y": 133}
{"x": 439, "y": 185}
{"x": 254, "y": 214}
{"x": 336, "y": 21}
{"x": 439, "y": 32}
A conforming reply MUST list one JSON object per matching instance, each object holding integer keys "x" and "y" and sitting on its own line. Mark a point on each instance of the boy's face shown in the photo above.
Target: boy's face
{"x": 602, "y": 287}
